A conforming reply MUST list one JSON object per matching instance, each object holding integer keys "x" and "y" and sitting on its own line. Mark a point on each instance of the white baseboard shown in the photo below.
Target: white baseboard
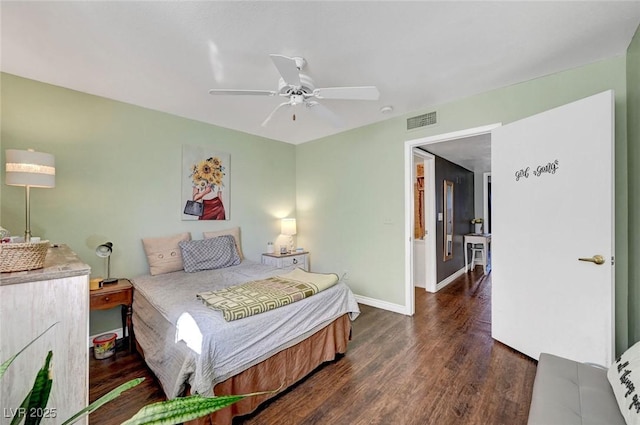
{"x": 450, "y": 279}
{"x": 397, "y": 308}
{"x": 384, "y": 305}
{"x": 118, "y": 333}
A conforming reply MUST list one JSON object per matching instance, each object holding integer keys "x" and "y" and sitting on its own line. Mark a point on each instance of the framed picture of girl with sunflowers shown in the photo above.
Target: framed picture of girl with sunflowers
{"x": 205, "y": 184}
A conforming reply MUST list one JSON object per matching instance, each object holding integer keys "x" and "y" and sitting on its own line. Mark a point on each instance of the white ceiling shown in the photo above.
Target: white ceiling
{"x": 472, "y": 153}
{"x": 166, "y": 55}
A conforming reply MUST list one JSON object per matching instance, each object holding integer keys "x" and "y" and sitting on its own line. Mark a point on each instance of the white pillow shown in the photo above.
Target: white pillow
{"x": 163, "y": 254}
{"x": 624, "y": 377}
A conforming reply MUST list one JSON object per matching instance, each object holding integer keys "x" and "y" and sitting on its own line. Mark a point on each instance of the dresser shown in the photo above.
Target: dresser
{"x": 31, "y": 302}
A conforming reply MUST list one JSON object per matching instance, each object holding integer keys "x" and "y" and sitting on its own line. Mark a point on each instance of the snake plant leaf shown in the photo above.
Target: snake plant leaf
{"x": 179, "y": 410}
{"x": 4, "y": 366}
{"x": 103, "y": 400}
{"x": 39, "y": 396}
{"x": 20, "y": 412}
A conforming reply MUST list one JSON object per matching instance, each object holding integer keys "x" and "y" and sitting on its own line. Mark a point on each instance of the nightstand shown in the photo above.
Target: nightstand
{"x": 114, "y": 295}
{"x": 287, "y": 261}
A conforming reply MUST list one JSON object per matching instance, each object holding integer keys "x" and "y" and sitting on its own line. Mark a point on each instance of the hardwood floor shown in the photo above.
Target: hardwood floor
{"x": 107, "y": 374}
{"x": 440, "y": 366}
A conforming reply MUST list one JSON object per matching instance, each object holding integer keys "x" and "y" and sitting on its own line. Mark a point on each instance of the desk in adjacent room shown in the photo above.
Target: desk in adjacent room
{"x": 474, "y": 238}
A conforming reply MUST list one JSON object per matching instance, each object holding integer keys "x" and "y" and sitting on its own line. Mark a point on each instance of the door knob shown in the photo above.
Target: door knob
{"x": 598, "y": 259}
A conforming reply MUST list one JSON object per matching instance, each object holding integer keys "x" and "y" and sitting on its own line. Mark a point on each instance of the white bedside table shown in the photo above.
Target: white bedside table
{"x": 287, "y": 261}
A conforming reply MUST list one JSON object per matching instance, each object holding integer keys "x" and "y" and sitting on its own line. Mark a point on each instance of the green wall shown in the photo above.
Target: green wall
{"x": 350, "y": 187}
{"x": 633, "y": 105}
{"x": 118, "y": 171}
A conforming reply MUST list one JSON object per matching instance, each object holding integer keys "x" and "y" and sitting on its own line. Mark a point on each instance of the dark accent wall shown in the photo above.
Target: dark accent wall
{"x": 463, "y": 213}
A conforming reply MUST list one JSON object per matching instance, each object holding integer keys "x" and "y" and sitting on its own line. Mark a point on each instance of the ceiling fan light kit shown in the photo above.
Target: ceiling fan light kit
{"x": 299, "y": 88}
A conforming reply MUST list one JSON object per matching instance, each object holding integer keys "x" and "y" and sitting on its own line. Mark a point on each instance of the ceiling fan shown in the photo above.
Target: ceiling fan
{"x": 300, "y": 89}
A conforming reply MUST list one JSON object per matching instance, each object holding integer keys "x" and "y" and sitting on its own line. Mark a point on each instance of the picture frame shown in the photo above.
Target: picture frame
{"x": 205, "y": 184}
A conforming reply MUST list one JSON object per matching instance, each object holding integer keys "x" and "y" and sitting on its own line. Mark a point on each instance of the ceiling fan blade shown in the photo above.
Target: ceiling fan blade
{"x": 288, "y": 69}
{"x": 348, "y": 93}
{"x": 242, "y": 92}
{"x": 322, "y": 111}
{"x": 277, "y": 108}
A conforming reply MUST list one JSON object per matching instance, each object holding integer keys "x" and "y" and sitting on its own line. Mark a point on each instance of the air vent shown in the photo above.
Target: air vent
{"x": 421, "y": 120}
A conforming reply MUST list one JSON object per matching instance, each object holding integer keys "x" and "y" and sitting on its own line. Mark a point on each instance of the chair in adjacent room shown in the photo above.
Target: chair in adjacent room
{"x": 478, "y": 255}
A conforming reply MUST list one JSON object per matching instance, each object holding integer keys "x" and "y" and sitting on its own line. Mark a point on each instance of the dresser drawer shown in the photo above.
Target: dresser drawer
{"x": 293, "y": 262}
{"x": 110, "y": 300}
{"x": 287, "y": 261}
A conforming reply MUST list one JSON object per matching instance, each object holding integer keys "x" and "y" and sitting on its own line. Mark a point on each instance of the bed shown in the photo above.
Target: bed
{"x": 190, "y": 347}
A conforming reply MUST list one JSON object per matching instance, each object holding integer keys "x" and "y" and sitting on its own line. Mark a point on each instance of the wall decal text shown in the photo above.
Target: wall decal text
{"x": 523, "y": 172}
{"x": 548, "y": 168}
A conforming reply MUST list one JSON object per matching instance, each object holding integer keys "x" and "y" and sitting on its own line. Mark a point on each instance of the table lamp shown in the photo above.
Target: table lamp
{"x": 29, "y": 169}
{"x": 104, "y": 251}
{"x": 288, "y": 228}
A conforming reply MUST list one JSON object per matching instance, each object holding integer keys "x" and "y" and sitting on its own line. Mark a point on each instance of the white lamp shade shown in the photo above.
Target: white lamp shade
{"x": 30, "y": 168}
{"x": 288, "y": 226}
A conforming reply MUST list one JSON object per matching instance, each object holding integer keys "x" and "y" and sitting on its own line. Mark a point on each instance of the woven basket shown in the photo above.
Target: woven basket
{"x": 16, "y": 257}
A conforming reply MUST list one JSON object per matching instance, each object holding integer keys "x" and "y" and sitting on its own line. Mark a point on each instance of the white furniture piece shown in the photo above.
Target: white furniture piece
{"x": 287, "y": 261}
{"x": 478, "y": 255}
{"x": 31, "y": 302}
{"x": 476, "y": 238}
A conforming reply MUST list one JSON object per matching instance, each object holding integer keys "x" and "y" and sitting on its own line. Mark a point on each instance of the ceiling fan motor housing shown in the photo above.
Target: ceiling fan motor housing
{"x": 307, "y": 86}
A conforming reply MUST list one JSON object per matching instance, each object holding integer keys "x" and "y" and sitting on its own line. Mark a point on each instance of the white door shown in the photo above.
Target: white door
{"x": 552, "y": 181}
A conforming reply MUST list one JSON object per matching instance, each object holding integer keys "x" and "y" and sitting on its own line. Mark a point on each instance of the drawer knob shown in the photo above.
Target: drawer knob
{"x": 295, "y": 261}
{"x": 106, "y": 298}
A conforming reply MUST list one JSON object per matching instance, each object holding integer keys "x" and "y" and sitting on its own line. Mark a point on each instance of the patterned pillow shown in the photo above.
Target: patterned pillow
{"x": 208, "y": 254}
{"x": 234, "y": 231}
{"x": 624, "y": 377}
{"x": 163, "y": 254}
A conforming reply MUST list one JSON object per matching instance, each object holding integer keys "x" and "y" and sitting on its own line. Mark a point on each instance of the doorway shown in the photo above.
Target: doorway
{"x": 423, "y": 220}
{"x": 486, "y": 201}
{"x": 430, "y": 251}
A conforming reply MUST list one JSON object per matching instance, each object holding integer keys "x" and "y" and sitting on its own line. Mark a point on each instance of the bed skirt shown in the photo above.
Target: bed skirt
{"x": 280, "y": 371}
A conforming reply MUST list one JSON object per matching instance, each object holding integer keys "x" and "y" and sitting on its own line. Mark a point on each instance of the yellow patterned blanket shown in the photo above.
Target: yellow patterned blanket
{"x": 259, "y": 296}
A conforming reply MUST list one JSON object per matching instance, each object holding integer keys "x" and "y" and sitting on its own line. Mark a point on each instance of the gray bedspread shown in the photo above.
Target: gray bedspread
{"x": 184, "y": 341}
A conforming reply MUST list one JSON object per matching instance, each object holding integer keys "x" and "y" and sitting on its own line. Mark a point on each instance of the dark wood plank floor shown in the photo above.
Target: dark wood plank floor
{"x": 440, "y": 366}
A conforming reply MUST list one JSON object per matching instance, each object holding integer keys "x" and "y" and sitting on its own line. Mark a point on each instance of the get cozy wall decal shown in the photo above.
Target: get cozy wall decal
{"x": 549, "y": 168}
